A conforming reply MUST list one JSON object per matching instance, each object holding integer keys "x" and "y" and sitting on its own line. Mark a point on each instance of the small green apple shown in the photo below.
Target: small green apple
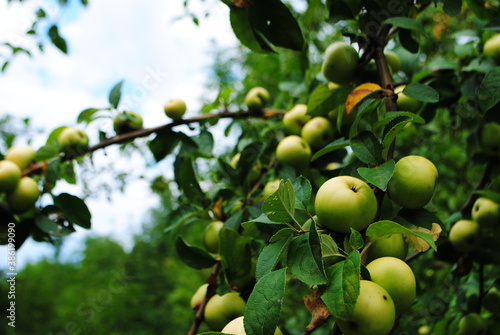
{"x": 403, "y": 290}
{"x": 73, "y": 141}
{"x": 198, "y": 296}
{"x": 471, "y": 324}
{"x": 413, "y": 181}
{"x": 295, "y": 119}
{"x": 489, "y": 139}
{"x": 373, "y": 314}
{"x": 406, "y": 103}
{"x": 392, "y": 246}
{"x": 393, "y": 61}
{"x": 318, "y": 132}
{"x": 22, "y": 155}
{"x": 126, "y": 122}
{"x": 295, "y": 151}
{"x": 10, "y": 174}
{"x": 491, "y": 48}
{"x": 465, "y": 236}
{"x": 491, "y": 300}
{"x": 339, "y": 62}
{"x": 222, "y": 309}
{"x": 424, "y": 330}
{"x": 211, "y": 236}
{"x": 175, "y": 108}
{"x": 24, "y": 196}
{"x": 345, "y": 202}
{"x": 270, "y": 187}
{"x": 236, "y": 327}
{"x": 486, "y": 212}
{"x": 257, "y": 98}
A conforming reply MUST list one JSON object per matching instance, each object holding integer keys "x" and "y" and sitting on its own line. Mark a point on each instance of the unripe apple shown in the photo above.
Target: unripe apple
{"x": 393, "y": 61}
{"x": 489, "y": 139}
{"x": 257, "y": 98}
{"x": 295, "y": 151}
{"x": 22, "y": 155}
{"x": 236, "y": 327}
{"x": 491, "y": 300}
{"x": 373, "y": 314}
{"x": 270, "y": 187}
{"x": 424, "y": 330}
{"x": 471, "y": 324}
{"x": 175, "y": 108}
{"x": 222, "y": 309}
{"x": 198, "y": 296}
{"x": 24, "y": 196}
{"x": 10, "y": 174}
{"x": 211, "y": 236}
{"x": 403, "y": 290}
{"x": 318, "y": 132}
{"x": 392, "y": 246}
{"x": 491, "y": 48}
{"x": 413, "y": 181}
{"x": 345, "y": 202}
{"x": 406, "y": 103}
{"x": 486, "y": 212}
{"x": 295, "y": 119}
{"x": 73, "y": 141}
{"x": 339, "y": 62}
{"x": 126, "y": 122}
{"x": 464, "y": 235}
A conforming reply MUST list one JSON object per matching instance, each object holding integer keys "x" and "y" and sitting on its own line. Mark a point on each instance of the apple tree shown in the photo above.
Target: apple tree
{"x": 361, "y": 188}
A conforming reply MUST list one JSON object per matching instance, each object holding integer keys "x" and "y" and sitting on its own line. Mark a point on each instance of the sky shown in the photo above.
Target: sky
{"x": 159, "y": 57}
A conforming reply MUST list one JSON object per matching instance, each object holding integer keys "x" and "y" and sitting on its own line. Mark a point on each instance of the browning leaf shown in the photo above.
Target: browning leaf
{"x": 418, "y": 244}
{"x": 318, "y": 309}
{"x": 242, "y": 3}
{"x": 360, "y": 93}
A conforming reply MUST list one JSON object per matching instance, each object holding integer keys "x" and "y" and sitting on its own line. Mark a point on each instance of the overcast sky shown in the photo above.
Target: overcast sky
{"x": 137, "y": 41}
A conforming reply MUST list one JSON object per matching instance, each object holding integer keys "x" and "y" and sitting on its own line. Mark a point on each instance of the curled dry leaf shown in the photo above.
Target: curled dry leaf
{"x": 242, "y": 3}
{"x": 359, "y": 93}
{"x": 418, "y": 244}
{"x": 317, "y": 308}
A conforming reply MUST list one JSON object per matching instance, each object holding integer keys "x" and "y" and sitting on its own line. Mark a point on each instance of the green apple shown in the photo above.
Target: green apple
{"x": 489, "y": 139}
{"x": 295, "y": 151}
{"x": 491, "y": 300}
{"x": 486, "y": 212}
{"x": 373, "y": 314}
{"x": 73, "y": 141}
{"x": 406, "y": 103}
{"x": 465, "y": 236}
{"x": 24, "y": 196}
{"x": 175, "y": 108}
{"x": 413, "y": 181}
{"x": 236, "y": 327}
{"x": 222, "y": 309}
{"x": 397, "y": 278}
{"x": 270, "y": 187}
{"x": 295, "y": 119}
{"x": 318, "y": 132}
{"x": 254, "y": 174}
{"x": 126, "y": 122}
{"x": 345, "y": 202}
{"x": 424, "y": 330}
{"x": 491, "y": 48}
{"x": 471, "y": 324}
{"x": 211, "y": 236}
{"x": 22, "y": 155}
{"x": 393, "y": 61}
{"x": 257, "y": 98}
{"x": 198, "y": 296}
{"x": 10, "y": 174}
{"x": 392, "y": 246}
{"x": 339, "y": 62}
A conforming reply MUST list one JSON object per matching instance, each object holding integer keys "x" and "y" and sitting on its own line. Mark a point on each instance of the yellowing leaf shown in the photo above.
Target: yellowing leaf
{"x": 418, "y": 244}
{"x": 360, "y": 93}
{"x": 317, "y": 308}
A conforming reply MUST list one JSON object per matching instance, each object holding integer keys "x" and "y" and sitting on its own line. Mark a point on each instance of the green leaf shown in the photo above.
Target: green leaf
{"x": 45, "y": 224}
{"x": 421, "y": 92}
{"x": 407, "y": 23}
{"x": 46, "y": 152}
{"x": 248, "y": 158}
{"x": 74, "y": 209}
{"x": 87, "y": 115}
{"x": 242, "y": 28}
{"x": 390, "y": 116}
{"x": 419, "y": 217}
{"x": 452, "y": 7}
{"x": 304, "y": 259}
{"x": 494, "y": 24}
{"x": 205, "y": 144}
{"x": 323, "y": 100}
{"x": 68, "y": 172}
{"x": 115, "y": 94}
{"x": 495, "y": 196}
{"x": 343, "y": 287}
{"x": 303, "y": 189}
{"x": 489, "y": 90}
{"x": 391, "y": 131}
{"x": 57, "y": 40}
{"x": 185, "y": 177}
{"x": 235, "y": 254}
{"x": 367, "y": 148}
{"x": 379, "y": 175}
{"x": 330, "y": 250}
{"x": 382, "y": 228}
{"x": 280, "y": 206}
{"x": 407, "y": 40}
{"x": 356, "y": 239}
{"x": 193, "y": 257}
{"x": 264, "y": 304}
{"x": 282, "y": 234}
{"x": 335, "y": 145}
{"x": 163, "y": 144}
{"x": 271, "y": 255}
